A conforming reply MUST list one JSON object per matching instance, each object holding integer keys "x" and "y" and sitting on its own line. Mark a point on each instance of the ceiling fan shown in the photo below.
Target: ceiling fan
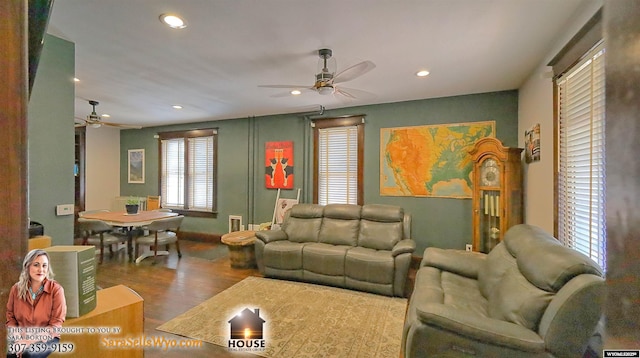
{"x": 327, "y": 81}
{"x": 94, "y": 120}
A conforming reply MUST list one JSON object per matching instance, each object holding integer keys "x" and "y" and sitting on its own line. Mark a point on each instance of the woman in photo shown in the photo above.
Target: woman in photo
{"x": 35, "y": 310}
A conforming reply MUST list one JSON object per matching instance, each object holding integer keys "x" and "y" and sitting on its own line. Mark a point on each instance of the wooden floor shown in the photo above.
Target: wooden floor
{"x": 172, "y": 286}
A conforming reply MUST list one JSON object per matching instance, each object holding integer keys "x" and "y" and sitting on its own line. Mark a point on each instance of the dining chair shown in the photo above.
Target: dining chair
{"x": 161, "y": 232}
{"x": 144, "y": 230}
{"x": 116, "y": 230}
{"x": 153, "y": 202}
{"x": 99, "y": 233}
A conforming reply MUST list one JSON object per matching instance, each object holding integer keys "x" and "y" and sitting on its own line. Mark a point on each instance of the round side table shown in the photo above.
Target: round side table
{"x": 241, "y": 251}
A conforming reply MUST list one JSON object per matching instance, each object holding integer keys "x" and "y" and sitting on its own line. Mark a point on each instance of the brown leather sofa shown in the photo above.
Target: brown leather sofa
{"x": 529, "y": 297}
{"x": 366, "y": 248}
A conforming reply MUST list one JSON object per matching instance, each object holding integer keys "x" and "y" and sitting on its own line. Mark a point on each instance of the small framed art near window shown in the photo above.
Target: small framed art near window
{"x": 235, "y": 223}
{"x": 136, "y": 166}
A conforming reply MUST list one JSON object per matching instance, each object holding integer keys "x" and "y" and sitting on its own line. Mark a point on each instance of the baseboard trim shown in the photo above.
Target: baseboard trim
{"x": 200, "y": 237}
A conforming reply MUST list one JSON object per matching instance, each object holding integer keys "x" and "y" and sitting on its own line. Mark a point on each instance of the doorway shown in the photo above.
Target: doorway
{"x": 79, "y": 172}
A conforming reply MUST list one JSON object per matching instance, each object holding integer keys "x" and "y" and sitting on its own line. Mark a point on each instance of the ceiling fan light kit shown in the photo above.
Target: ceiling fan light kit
{"x": 325, "y": 90}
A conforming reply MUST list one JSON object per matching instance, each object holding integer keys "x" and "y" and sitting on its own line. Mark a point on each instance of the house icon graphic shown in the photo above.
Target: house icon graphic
{"x": 247, "y": 325}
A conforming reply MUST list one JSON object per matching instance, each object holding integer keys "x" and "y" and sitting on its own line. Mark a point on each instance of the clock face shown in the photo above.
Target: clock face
{"x": 490, "y": 173}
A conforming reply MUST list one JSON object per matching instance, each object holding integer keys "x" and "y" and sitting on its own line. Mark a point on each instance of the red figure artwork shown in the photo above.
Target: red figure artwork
{"x": 279, "y": 165}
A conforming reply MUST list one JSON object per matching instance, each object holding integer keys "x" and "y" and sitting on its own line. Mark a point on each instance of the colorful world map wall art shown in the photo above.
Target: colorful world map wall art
{"x": 430, "y": 160}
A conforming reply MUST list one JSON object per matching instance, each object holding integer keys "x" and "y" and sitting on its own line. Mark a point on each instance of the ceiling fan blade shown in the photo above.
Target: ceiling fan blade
{"x": 354, "y": 71}
{"x": 355, "y": 93}
{"x": 342, "y": 92}
{"x": 98, "y": 123}
{"x": 128, "y": 126}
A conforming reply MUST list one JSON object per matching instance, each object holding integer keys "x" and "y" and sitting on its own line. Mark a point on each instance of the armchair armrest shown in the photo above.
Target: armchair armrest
{"x": 268, "y": 236}
{"x": 403, "y": 246}
{"x": 463, "y": 263}
{"x": 484, "y": 329}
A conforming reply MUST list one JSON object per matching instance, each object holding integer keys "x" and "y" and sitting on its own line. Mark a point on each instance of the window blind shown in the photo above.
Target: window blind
{"x": 188, "y": 170}
{"x": 581, "y": 157}
{"x": 338, "y": 165}
{"x": 201, "y": 173}
{"x": 172, "y": 173}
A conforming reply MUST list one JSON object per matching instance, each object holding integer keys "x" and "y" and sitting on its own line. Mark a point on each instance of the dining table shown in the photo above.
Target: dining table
{"x": 131, "y": 222}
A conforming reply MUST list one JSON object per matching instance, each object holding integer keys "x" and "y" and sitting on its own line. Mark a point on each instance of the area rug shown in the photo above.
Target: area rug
{"x": 300, "y": 319}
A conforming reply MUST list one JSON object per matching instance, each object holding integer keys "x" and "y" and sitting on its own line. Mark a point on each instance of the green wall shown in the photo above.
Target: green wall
{"x": 436, "y": 221}
{"x": 51, "y": 139}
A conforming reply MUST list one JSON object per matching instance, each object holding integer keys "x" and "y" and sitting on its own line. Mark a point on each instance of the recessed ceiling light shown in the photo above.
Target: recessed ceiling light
{"x": 173, "y": 21}
{"x": 295, "y": 92}
{"x": 422, "y": 73}
{"x": 106, "y": 115}
{"x": 177, "y": 106}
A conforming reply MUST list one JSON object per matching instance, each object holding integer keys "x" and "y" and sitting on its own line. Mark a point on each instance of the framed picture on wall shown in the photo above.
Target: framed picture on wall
{"x": 279, "y": 165}
{"x": 532, "y": 144}
{"x": 136, "y": 166}
{"x": 235, "y": 223}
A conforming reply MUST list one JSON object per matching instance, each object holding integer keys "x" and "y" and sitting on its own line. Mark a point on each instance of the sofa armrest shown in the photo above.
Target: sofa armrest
{"x": 483, "y": 329}
{"x": 268, "y": 236}
{"x": 403, "y": 246}
{"x": 463, "y": 263}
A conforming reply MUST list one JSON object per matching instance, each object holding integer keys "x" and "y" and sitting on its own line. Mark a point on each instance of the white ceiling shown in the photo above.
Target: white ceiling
{"x": 136, "y": 67}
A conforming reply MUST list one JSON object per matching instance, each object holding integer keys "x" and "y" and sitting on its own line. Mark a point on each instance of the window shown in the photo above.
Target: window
{"x": 338, "y": 157}
{"x": 581, "y": 156}
{"x": 188, "y": 168}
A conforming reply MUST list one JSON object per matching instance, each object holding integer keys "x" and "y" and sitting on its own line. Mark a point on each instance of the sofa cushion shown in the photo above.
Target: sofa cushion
{"x": 342, "y": 211}
{"x": 382, "y": 213}
{"x": 340, "y": 225}
{"x": 430, "y": 288}
{"x": 303, "y": 223}
{"x": 303, "y": 230}
{"x": 381, "y": 226}
{"x": 465, "y": 263}
{"x": 284, "y": 255}
{"x": 531, "y": 245}
{"x": 324, "y": 259}
{"x": 463, "y": 293}
{"x": 369, "y": 265}
{"x": 498, "y": 261}
{"x": 561, "y": 265}
{"x": 516, "y": 300}
{"x": 306, "y": 211}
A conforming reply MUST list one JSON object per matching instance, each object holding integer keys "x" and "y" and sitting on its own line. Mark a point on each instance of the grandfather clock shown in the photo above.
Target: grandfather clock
{"x": 497, "y": 192}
